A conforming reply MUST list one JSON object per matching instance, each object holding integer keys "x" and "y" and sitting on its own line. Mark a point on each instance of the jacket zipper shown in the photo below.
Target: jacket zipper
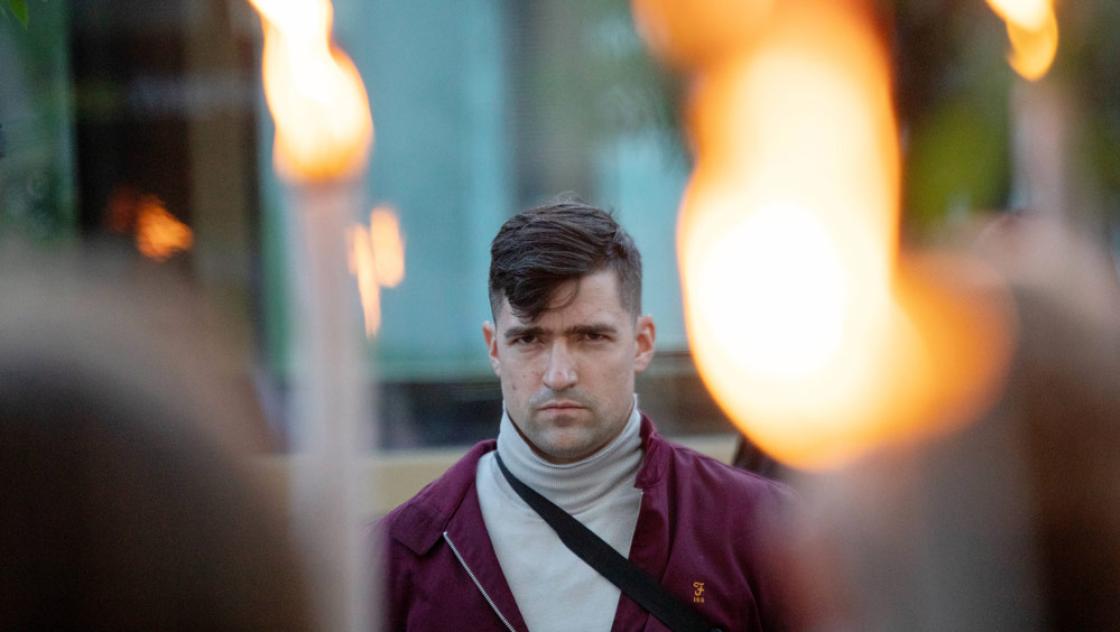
{"x": 476, "y": 582}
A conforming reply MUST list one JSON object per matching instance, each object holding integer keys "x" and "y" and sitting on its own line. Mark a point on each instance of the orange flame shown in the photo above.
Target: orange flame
{"x": 324, "y": 128}
{"x": 376, "y": 260}
{"x": 123, "y": 206}
{"x": 388, "y": 246}
{"x": 158, "y": 234}
{"x": 363, "y": 268}
{"x": 694, "y": 32}
{"x": 1032, "y": 28}
{"x": 809, "y": 333}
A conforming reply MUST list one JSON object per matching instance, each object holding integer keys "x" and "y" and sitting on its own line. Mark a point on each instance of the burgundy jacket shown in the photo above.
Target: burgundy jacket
{"x": 699, "y": 532}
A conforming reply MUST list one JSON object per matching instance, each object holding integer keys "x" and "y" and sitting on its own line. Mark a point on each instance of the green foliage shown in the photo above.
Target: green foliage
{"x": 957, "y": 163}
{"x": 37, "y": 195}
{"x": 18, "y": 8}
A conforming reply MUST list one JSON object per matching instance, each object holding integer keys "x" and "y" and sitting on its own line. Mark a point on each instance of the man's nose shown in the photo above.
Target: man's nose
{"x": 560, "y": 373}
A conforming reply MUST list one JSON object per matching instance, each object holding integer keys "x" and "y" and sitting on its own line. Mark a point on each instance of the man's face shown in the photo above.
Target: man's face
{"x": 568, "y": 376}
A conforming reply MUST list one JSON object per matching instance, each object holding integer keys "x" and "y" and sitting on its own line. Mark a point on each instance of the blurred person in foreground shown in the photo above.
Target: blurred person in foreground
{"x": 567, "y": 340}
{"x": 1012, "y": 523}
{"x": 124, "y": 505}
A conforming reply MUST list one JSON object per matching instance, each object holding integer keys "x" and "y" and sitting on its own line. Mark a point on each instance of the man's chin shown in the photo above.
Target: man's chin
{"x": 565, "y": 447}
{"x": 561, "y": 417}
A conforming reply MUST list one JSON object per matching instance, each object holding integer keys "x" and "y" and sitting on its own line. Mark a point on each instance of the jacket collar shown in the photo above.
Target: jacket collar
{"x": 655, "y": 457}
{"x": 422, "y": 521}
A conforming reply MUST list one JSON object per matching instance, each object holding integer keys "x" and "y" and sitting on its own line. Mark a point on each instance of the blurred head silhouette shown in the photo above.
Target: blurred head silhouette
{"x": 1012, "y": 523}
{"x": 122, "y": 507}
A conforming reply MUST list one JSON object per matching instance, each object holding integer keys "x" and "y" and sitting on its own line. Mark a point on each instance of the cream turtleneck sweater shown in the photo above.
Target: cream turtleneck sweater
{"x": 554, "y": 589}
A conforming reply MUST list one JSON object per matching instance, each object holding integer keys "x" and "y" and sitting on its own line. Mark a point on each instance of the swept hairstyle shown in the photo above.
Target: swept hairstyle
{"x": 539, "y": 249}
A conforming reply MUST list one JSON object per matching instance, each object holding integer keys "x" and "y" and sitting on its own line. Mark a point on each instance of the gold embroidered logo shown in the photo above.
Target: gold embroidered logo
{"x": 697, "y": 592}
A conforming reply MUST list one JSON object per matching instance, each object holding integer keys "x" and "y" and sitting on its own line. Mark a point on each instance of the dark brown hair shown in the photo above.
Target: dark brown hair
{"x": 537, "y": 250}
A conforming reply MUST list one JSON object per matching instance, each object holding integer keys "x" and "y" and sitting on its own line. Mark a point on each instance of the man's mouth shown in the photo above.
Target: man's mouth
{"x": 561, "y": 405}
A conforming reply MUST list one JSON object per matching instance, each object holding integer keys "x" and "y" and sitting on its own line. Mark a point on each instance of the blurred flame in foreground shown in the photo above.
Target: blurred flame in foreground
{"x": 324, "y": 128}
{"x": 123, "y": 204}
{"x": 377, "y": 260}
{"x": 158, "y": 234}
{"x": 804, "y": 325}
{"x": 1032, "y": 28}
{"x": 388, "y": 246}
{"x": 687, "y": 34}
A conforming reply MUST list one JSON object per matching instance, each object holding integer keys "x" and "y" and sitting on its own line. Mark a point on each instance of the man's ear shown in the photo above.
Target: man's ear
{"x": 646, "y": 333}
{"x": 490, "y": 335}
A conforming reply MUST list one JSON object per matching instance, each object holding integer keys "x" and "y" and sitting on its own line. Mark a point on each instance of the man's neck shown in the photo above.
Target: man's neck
{"x": 576, "y": 484}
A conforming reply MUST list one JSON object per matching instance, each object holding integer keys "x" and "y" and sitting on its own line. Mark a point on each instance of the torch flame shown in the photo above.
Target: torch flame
{"x": 805, "y": 325}
{"x": 324, "y": 128}
{"x": 388, "y": 246}
{"x": 1032, "y": 28}
{"x": 694, "y": 32}
{"x": 363, "y": 268}
{"x": 376, "y": 260}
{"x": 158, "y": 234}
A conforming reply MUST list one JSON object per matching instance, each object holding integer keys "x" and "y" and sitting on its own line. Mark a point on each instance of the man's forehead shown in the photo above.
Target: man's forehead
{"x": 507, "y": 319}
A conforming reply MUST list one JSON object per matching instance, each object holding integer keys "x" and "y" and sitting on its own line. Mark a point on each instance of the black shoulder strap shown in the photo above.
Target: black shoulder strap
{"x": 590, "y": 548}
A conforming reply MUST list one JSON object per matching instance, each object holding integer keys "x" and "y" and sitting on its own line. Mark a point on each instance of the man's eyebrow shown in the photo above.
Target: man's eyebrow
{"x": 523, "y": 330}
{"x": 594, "y": 328}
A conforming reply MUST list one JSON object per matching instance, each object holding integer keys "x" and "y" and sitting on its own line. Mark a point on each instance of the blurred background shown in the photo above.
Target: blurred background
{"x": 115, "y": 112}
{"x": 138, "y": 131}
{"x": 144, "y": 125}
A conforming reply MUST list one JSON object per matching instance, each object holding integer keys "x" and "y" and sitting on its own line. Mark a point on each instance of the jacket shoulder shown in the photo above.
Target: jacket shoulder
{"x": 419, "y": 522}
{"x": 704, "y": 476}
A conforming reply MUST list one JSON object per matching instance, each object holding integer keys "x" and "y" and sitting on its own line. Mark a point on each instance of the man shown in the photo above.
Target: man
{"x": 568, "y": 337}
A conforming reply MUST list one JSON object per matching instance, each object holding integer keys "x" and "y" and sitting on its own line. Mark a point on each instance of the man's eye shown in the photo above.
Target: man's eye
{"x": 593, "y": 337}
{"x": 526, "y": 340}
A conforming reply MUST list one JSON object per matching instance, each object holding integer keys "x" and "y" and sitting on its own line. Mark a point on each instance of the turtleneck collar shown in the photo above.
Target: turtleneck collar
{"x": 575, "y": 486}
